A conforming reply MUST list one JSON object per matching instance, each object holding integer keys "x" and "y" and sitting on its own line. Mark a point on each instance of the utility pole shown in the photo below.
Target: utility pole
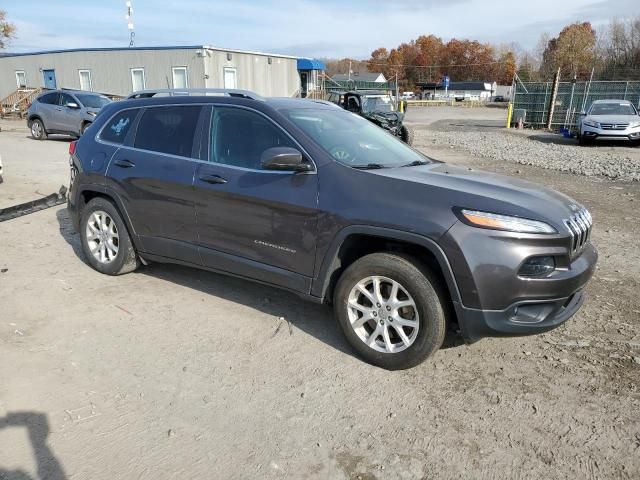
{"x": 129, "y": 18}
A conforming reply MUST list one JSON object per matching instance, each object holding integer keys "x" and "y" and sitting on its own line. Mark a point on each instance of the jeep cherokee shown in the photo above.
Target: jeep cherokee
{"x": 314, "y": 199}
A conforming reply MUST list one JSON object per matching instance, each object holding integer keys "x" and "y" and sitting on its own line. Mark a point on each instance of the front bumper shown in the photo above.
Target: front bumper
{"x": 495, "y": 301}
{"x": 632, "y": 134}
{"x": 523, "y": 318}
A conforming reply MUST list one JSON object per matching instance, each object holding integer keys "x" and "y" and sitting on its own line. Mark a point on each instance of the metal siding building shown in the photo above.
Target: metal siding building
{"x": 114, "y": 71}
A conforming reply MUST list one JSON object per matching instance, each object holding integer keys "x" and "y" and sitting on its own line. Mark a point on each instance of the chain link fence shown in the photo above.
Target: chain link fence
{"x": 531, "y": 101}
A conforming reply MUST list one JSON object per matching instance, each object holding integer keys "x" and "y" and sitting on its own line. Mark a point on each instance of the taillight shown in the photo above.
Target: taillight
{"x": 72, "y": 147}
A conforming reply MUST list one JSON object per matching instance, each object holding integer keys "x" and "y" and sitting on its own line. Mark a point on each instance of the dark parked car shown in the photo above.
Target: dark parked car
{"x": 403, "y": 246}
{"x": 66, "y": 112}
{"x": 377, "y": 106}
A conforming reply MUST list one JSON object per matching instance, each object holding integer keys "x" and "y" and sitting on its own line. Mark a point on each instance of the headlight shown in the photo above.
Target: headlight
{"x": 496, "y": 221}
{"x": 634, "y": 124}
{"x": 591, "y": 123}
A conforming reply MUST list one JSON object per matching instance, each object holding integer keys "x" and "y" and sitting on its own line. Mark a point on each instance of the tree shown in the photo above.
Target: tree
{"x": 619, "y": 49}
{"x": 7, "y": 30}
{"x": 573, "y": 51}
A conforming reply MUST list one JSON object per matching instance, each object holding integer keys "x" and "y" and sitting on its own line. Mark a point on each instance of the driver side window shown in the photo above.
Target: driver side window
{"x": 239, "y": 137}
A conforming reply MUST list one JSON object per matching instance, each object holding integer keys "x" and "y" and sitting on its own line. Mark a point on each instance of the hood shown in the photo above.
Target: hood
{"x": 479, "y": 190}
{"x": 614, "y": 118}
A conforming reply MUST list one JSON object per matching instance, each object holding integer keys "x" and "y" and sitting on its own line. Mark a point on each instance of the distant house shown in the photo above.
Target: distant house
{"x": 482, "y": 91}
{"x": 360, "y": 77}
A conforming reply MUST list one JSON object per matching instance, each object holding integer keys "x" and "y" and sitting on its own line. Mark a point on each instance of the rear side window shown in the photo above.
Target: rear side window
{"x": 49, "y": 98}
{"x": 116, "y": 129}
{"x": 168, "y": 130}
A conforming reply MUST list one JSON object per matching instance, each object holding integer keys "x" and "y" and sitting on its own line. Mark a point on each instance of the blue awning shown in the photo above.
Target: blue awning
{"x": 310, "y": 64}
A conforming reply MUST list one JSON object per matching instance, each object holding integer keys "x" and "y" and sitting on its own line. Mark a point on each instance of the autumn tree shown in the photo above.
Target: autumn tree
{"x": 7, "y": 30}
{"x": 573, "y": 51}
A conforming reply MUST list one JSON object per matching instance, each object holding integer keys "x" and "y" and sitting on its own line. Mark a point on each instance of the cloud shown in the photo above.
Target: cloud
{"x": 323, "y": 28}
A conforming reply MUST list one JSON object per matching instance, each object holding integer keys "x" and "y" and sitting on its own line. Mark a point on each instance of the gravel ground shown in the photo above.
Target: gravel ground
{"x": 620, "y": 163}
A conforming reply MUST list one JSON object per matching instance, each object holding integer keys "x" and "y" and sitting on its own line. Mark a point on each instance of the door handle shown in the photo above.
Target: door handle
{"x": 124, "y": 163}
{"x": 213, "y": 179}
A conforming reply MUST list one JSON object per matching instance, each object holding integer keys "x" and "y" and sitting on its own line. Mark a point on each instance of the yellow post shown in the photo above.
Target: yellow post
{"x": 509, "y": 114}
{"x": 401, "y": 106}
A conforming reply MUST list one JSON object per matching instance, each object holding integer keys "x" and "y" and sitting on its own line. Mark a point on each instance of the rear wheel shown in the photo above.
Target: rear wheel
{"x": 407, "y": 134}
{"x": 105, "y": 240}
{"x": 391, "y": 310}
{"x": 37, "y": 130}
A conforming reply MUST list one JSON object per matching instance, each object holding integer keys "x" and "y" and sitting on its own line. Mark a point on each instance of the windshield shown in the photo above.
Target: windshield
{"x": 353, "y": 140}
{"x": 378, "y": 104}
{"x": 93, "y": 101}
{"x": 613, "y": 109}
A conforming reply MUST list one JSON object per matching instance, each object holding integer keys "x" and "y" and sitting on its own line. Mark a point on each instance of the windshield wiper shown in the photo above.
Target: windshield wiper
{"x": 416, "y": 163}
{"x": 368, "y": 166}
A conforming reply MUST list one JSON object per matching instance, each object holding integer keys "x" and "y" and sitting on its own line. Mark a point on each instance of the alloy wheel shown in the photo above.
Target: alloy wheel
{"x": 102, "y": 237}
{"x": 383, "y": 314}
{"x": 36, "y": 129}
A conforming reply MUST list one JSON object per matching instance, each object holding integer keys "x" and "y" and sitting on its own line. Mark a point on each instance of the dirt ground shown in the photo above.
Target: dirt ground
{"x": 174, "y": 373}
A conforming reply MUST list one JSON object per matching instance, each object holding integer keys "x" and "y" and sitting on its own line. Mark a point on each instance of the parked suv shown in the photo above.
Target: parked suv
{"x": 403, "y": 246}
{"x": 66, "y": 112}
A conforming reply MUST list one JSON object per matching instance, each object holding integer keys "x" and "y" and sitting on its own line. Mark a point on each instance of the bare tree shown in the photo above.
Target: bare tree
{"x": 7, "y": 30}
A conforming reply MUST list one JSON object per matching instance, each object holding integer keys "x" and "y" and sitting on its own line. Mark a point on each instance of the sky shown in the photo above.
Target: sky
{"x": 310, "y": 28}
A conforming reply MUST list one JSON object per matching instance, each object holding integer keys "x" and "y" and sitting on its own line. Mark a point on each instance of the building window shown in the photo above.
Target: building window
{"x": 180, "y": 79}
{"x": 230, "y": 80}
{"x": 85, "y": 80}
{"x": 21, "y": 78}
{"x": 137, "y": 79}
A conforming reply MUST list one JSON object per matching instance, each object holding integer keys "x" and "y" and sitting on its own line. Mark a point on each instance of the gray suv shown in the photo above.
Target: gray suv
{"x": 66, "y": 112}
{"x": 403, "y": 246}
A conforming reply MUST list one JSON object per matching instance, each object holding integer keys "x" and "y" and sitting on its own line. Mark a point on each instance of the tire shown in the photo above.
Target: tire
{"x": 417, "y": 284}
{"x": 125, "y": 259}
{"x": 407, "y": 134}
{"x": 38, "y": 132}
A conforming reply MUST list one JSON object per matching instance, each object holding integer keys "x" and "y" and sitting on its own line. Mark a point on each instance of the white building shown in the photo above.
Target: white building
{"x": 120, "y": 71}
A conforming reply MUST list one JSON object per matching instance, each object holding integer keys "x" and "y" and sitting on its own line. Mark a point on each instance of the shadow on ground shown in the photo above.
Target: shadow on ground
{"x": 314, "y": 319}
{"x": 37, "y": 426}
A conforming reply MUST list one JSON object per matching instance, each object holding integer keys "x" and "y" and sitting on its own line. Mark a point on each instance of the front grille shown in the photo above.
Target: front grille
{"x": 614, "y": 126}
{"x": 579, "y": 226}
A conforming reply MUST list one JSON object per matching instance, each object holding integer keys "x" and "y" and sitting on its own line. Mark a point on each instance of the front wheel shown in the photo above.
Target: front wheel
{"x": 407, "y": 134}
{"x": 105, "y": 240}
{"x": 391, "y": 309}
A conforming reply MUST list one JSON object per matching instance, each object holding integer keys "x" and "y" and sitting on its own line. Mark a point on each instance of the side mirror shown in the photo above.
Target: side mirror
{"x": 71, "y": 105}
{"x": 283, "y": 158}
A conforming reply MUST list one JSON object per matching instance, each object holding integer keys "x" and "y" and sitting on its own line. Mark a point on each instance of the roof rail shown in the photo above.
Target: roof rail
{"x": 171, "y": 92}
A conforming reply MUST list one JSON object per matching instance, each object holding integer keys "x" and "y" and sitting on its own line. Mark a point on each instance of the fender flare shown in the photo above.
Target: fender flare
{"x": 329, "y": 265}
{"x": 109, "y": 192}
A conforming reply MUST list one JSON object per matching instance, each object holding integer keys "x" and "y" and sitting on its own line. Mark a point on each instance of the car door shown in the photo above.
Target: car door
{"x": 153, "y": 175}
{"x": 68, "y": 118}
{"x": 253, "y": 222}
